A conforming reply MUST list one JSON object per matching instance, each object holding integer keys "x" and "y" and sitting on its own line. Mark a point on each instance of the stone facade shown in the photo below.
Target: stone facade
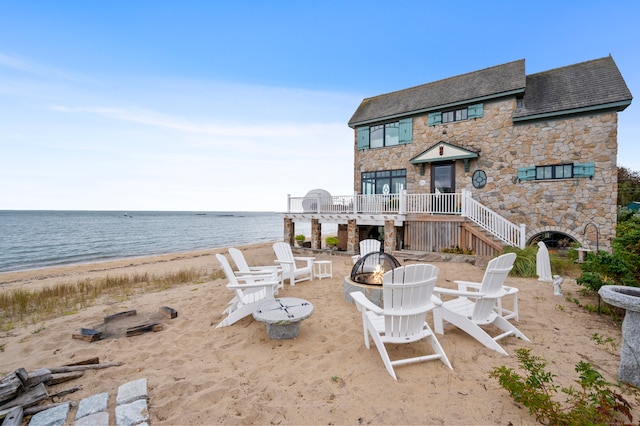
{"x": 558, "y": 205}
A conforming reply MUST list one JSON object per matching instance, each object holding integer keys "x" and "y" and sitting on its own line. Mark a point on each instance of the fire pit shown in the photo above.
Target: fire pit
{"x": 366, "y": 276}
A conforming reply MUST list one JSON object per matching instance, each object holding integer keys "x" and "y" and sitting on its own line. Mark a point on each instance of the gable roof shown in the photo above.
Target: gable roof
{"x": 586, "y": 86}
{"x": 591, "y": 85}
{"x": 488, "y": 83}
{"x": 443, "y": 151}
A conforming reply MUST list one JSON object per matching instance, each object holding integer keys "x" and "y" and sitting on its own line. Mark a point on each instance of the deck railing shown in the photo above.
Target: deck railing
{"x": 441, "y": 204}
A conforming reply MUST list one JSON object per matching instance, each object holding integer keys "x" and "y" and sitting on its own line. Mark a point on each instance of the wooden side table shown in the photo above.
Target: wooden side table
{"x": 322, "y": 269}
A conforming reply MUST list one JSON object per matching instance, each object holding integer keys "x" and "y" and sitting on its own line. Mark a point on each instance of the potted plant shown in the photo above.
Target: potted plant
{"x": 300, "y": 239}
{"x": 332, "y": 242}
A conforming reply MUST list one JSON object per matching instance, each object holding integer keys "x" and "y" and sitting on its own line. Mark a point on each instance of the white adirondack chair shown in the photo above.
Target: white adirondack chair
{"x": 504, "y": 312}
{"x": 366, "y": 246}
{"x": 402, "y": 319}
{"x": 245, "y": 269}
{"x": 291, "y": 270}
{"x": 250, "y": 291}
{"x": 411, "y": 273}
{"x": 471, "y": 315}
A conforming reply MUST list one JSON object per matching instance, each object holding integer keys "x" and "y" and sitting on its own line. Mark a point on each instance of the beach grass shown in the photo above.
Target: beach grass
{"x": 22, "y": 306}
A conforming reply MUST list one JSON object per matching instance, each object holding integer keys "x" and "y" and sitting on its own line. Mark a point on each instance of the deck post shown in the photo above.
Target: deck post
{"x": 523, "y": 235}
{"x": 289, "y": 231}
{"x": 463, "y": 204}
{"x": 316, "y": 234}
{"x": 355, "y": 202}
{"x": 389, "y": 236}
{"x": 353, "y": 239}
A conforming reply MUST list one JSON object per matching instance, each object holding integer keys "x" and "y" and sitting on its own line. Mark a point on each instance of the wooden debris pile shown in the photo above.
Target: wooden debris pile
{"x": 98, "y": 332}
{"x": 22, "y": 392}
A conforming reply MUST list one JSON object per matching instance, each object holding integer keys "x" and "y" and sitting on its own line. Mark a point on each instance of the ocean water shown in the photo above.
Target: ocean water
{"x": 36, "y": 239}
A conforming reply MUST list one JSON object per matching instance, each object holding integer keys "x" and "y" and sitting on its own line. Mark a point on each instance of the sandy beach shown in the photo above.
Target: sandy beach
{"x": 199, "y": 375}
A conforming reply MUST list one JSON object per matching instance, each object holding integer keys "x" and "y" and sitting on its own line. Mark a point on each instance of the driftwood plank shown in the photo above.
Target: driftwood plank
{"x": 120, "y": 315}
{"x": 10, "y": 389}
{"x": 13, "y": 417}
{"x": 94, "y": 360}
{"x": 64, "y": 377}
{"x": 69, "y": 369}
{"x": 66, "y": 392}
{"x": 35, "y": 409}
{"x": 168, "y": 312}
{"x": 87, "y": 334}
{"x": 27, "y": 399}
{"x": 12, "y": 384}
{"x": 144, "y": 328}
{"x": 41, "y": 375}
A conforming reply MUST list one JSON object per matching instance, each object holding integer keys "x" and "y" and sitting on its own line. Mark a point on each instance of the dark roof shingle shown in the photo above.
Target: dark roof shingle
{"x": 489, "y": 82}
{"x": 583, "y": 85}
{"x": 591, "y": 84}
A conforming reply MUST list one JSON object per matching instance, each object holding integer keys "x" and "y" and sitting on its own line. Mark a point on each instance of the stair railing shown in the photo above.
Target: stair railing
{"x": 496, "y": 225}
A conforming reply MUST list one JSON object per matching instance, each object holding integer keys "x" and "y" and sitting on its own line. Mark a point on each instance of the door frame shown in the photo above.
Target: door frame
{"x": 452, "y": 165}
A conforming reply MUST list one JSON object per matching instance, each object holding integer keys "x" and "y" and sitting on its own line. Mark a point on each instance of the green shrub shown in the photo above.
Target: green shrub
{"x": 332, "y": 241}
{"x": 593, "y": 403}
{"x": 525, "y": 263}
{"x": 604, "y": 268}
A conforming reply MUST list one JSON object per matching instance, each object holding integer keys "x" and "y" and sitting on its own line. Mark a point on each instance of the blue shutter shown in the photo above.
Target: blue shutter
{"x": 475, "y": 111}
{"x": 435, "y": 118}
{"x": 363, "y": 137}
{"x": 527, "y": 173}
{"x": 584, "y": 170}
{"x": 406, "y": 130}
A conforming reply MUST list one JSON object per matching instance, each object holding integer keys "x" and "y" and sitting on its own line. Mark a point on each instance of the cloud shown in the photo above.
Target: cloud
{"x": 34, "y": 68}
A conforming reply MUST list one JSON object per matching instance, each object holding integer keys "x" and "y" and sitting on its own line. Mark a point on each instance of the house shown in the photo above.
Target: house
{"x": 481, "y": 160}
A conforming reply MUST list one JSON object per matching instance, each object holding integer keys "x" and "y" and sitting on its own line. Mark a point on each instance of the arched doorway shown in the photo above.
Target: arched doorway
{"x": 554, "y": 240}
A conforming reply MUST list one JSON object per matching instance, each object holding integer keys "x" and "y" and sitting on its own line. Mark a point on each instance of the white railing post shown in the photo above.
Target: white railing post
{"x": 288, "y": 203}
{"x": 355, "y": 202}
{"x": 463, "y": 206}
{"x": 402, "y": 208}
{"x": 523, "y": 235}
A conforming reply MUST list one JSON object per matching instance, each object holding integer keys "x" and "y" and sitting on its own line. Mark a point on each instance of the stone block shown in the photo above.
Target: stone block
{"x": 132, "y": 414}
{"x": 56, "y": 416}
{"x": 96, "y": 419}
{"x": 132, "y": 391}
{"x": 93, "y": 404}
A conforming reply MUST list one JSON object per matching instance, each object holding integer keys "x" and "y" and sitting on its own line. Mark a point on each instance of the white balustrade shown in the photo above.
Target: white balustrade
{"x": 402, "y": 203}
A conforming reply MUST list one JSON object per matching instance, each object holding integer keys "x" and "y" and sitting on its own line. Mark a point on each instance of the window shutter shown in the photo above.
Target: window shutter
{"x": 475, "y": 111}
{"x": 527, "y": 173}
{"x": 363, "y": 137}
{"x": 584, "y": 170}
{"x": 435, "y": 118}
{"x": 406, "y": 130}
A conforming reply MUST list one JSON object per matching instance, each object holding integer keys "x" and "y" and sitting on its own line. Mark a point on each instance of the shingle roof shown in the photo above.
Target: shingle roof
{"x": 592, "y": 84}
{"x": 489, "y": 82}
{"x": 584, "y": 85}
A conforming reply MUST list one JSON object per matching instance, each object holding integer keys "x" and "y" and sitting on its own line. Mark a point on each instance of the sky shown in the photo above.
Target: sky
{"x": 204, "y": 105}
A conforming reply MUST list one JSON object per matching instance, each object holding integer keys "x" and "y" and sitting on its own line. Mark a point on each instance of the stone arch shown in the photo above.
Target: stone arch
{"x": 533, "y": 236}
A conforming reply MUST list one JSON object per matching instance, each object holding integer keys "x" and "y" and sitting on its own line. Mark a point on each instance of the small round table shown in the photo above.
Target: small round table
{"x": 283, "y": 316}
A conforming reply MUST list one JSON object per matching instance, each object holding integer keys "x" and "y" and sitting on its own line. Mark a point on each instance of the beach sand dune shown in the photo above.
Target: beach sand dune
{"x": 198, "y": 374}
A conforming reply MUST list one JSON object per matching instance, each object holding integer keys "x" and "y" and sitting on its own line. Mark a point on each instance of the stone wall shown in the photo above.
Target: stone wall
{"x": 563, "y": 205}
